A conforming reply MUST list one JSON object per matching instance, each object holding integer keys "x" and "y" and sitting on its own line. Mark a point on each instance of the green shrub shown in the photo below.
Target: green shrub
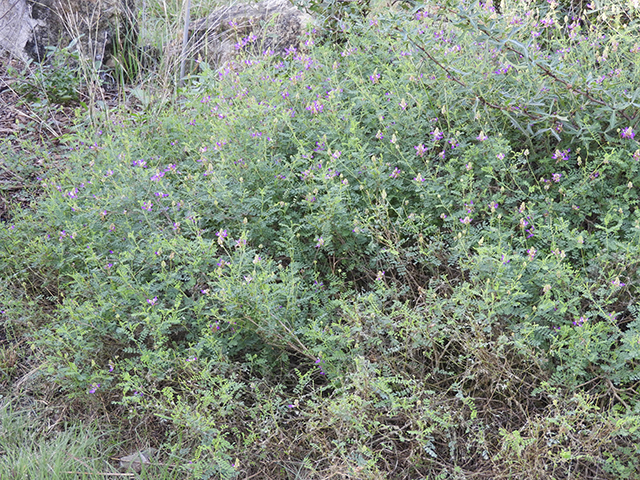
{"x": 412, "y": 254}
{"x": 55, "y": 80}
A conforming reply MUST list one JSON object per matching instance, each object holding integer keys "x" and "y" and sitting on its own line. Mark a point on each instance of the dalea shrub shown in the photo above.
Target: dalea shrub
{"x": 415, "y": 253}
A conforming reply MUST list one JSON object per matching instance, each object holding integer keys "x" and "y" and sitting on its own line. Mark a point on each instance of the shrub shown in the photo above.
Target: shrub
{"x": 404, "y": 255}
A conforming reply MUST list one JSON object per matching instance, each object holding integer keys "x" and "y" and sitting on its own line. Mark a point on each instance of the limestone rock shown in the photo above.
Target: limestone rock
{"x": 27, "y": 27}
{"x": 16, "y": 27}
{"x": 269, "y": 25}
{"x": 136, "y": 460}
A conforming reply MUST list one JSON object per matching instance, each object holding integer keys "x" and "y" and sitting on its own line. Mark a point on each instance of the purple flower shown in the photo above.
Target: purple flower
{"x": 147, "y": 206}
{"x": 320, "y": 241}
{"x": 561, "y": 155}
{"x": 482, "y": 137}
{"x": 531, "y": 253}
{"x": 94, "y": 387}
{"x": 420, "y": 149}
{"x": 579, "y": 322}
{"x": 627, "y": 133}
{"x": 306, "y": 174}
{"x": 396, "y": 172}
{"x": 617, "y": 283}
{"x": 469, "y": 206}
{"x": 315, "y": 107}
{"x": 152, "y": 301}
{"x": 221, "y": 234}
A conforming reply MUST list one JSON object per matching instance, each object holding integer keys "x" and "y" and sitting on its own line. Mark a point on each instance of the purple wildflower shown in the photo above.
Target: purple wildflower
{"x": 531, "y": 253}
{"x": 437, "y": 135}
{"x": 315, "y": 107}
{"x": 221, "y": 234}
{"x": 561, "y": 155}
{"x": 627, "y": 133}
{"x": 579, "y": 322}
{"x": 617, "y": 283}
{"x": 420, "y": 149}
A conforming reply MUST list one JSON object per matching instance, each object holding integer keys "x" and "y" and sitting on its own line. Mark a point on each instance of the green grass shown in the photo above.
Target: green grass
{"x": 30, "y": 450}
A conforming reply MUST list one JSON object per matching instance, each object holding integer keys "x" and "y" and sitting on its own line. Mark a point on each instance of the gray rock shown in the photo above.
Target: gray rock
{"x": 136, "y": 460}
{"x": 269, "y": 25}
{"x": 27, "y": 27}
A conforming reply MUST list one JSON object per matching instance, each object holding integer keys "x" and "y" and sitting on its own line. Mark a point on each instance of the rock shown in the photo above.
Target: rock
{"x": 269, "y": 25}
{"x": 136, "y": 460}
{"x": 16, "y": 27}
{"x": 27, "y": 27}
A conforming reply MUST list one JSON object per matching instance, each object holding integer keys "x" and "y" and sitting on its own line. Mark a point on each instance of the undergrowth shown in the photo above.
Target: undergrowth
{"x": 411, "y": 256}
